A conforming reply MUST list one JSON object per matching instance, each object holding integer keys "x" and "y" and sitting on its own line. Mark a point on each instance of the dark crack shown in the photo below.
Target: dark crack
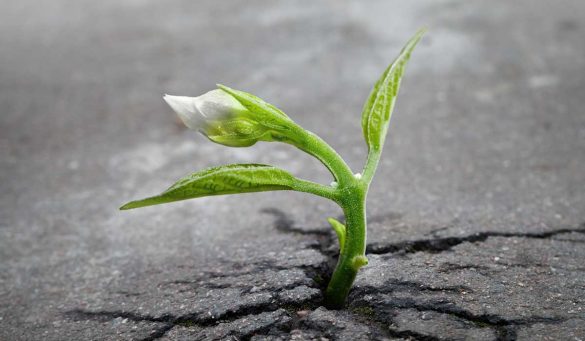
{"x": 449, "y": 267}
{"x": 409, "y": 335}
{"x": 385, "y": 326}
{"x": 440, "y": 306}
{"x": 394, "y": 285}
{"x": 103, "y": 316}
{"x": 198, "y": 284}
{"x": 397, "y": 285}
{"x": 128, "y": 293}
{"x": 284, "y": 327}
{"x": 325, "y": 239}
{"x": 169, "y": 321}
{"x": 286, "y": 224}
{"x": 505, "y": 329}
{"x": 437, "y": 245}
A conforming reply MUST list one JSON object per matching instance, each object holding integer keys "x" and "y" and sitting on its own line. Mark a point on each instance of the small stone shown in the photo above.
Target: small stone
{"x": 303, "y": 313}
{"x": 119, "y": 320}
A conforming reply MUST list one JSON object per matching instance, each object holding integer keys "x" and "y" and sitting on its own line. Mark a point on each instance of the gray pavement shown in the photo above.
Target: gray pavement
{"x": 477, "y": 212}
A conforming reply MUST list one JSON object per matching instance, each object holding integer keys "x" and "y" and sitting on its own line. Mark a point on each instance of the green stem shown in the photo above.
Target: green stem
{"x": 350, "y": 193}
{"x": 317, "y": 147}
{"x": 371, "y": 164}
{"x": 306, "y": 186}
{"x": 353, "y": 202}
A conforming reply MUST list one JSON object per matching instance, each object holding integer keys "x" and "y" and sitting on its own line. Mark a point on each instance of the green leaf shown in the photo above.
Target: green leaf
{"x": 229, "y": 179}
{"x": 263, "y": 112}
{"x": 237, "y": 132}
{"x": 340, "y": 231}
{"x": 380, "y": 103}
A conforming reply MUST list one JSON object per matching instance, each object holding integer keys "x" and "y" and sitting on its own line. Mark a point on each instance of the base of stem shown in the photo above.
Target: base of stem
{"x": 340, "y": 284}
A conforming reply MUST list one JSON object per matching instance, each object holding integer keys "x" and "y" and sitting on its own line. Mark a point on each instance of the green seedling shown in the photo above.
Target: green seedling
{"x": 237, "y": 119}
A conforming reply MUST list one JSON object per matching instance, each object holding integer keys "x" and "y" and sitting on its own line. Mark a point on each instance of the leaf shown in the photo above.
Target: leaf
{"x": 229, "y": 179}
{"x": 380, "y": 103}
{"x": 237, "y": 132}
{"x": 264, "y": 112}
{"x": 340, "y": 231}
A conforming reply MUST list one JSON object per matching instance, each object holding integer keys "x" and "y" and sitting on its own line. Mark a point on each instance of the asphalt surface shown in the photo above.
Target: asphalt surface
{"x": 477, "y": 212}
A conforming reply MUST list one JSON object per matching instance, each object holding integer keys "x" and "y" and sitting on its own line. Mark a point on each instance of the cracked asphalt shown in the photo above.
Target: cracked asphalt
{"x": 476, "y": 215}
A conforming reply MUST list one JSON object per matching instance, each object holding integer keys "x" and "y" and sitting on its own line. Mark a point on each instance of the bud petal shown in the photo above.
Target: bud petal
{"x": 218, "y": 105}
{"x": 187, "y": 110}
{"x": 196, "y": 112}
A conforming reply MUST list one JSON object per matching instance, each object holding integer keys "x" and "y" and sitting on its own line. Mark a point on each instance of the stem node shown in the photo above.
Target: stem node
{"x": 359, "y": 261}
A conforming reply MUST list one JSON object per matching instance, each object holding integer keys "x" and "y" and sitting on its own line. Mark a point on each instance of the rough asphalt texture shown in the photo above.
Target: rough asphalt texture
{"x": 476, "y": 214}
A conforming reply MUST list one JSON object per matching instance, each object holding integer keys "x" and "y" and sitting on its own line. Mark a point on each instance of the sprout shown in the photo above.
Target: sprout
{"x": 238, "y": 119}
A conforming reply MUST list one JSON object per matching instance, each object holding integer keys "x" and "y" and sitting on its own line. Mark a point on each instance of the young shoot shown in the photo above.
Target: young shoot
{"x": 238, "y": 119}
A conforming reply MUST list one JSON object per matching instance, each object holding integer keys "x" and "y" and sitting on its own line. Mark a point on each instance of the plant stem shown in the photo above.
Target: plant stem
{"x": 371, "y": 164}
{"x": 306, "y": 186}
{"x": 350, "y": 194}
{"x": 314, "y": 145}
{"x": 353, "y": 203}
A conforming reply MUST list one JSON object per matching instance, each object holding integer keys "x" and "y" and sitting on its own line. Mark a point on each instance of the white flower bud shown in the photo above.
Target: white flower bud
{"x": 197, "y": 112}
{"x": 233, "y": 118}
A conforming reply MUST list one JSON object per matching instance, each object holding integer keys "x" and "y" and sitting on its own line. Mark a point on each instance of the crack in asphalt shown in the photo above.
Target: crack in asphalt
{"x": 104, "y": 316}
{"x": 400, "y": 285}
{"x": 505, "y": 329}
{"x": 286, "y": 224}
{"x": 437, "y": 245}
{"x": 169, "y": 321}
